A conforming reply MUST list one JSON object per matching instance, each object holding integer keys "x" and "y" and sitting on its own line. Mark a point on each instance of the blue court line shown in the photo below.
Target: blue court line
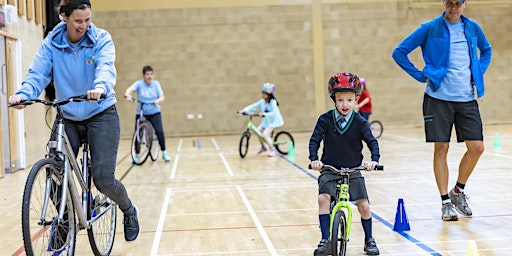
{"x": 383, "y": 221}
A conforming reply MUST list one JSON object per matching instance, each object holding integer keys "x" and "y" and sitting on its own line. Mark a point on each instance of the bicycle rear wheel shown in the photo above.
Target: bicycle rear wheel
{"x": 103, "y": 213}
{"x": 243, "y": 147}
{"x": 339, "y": 234}
{"x": 377, "y": 128}
{"x": 155, "y": 147}
{"x": 43, "y": 233}
{"x": 141, "y": 143}
{"x": 282, "y": 142}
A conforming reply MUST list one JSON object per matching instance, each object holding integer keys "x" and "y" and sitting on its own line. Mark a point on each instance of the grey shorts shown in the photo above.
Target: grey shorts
{"x": 440, "y": 116}
{"x": 327, "y": 185}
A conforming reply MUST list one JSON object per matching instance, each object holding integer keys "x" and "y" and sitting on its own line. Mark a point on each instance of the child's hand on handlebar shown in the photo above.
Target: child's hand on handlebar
{"x": 370, "y": 166}
{"x": 317, "y": 165}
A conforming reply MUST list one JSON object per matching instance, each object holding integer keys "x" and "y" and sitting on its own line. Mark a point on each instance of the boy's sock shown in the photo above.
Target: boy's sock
{"x": 367, "y": 227}
{"x": 325, "y": 223}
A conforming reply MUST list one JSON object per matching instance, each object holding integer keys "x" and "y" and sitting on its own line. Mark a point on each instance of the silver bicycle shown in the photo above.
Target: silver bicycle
{"x": 60, "y": 198}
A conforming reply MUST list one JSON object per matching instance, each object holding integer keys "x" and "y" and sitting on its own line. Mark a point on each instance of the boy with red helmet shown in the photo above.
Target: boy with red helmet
{"x": 342, "y": 131}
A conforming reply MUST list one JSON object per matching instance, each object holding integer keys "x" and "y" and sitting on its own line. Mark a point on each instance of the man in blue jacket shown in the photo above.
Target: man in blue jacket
{"x": 453, "y": 74}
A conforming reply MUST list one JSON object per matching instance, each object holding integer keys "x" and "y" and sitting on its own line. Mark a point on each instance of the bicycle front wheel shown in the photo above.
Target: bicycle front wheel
{"x": 243, "y": 147}
{"x": 282, "y": 142}
{"x": 377, "y": 128}
{"x": 141, "y": 143}
{"x": 155, "y": 146}
{"x": 339, "y": 234}
{"x": 43, "y": 232}
{"x": 102, "y": 213}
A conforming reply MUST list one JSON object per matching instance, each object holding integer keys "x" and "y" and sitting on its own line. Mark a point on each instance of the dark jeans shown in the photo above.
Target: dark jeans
{"x": 156, "y": 121}
{"x": 102, "y": 132}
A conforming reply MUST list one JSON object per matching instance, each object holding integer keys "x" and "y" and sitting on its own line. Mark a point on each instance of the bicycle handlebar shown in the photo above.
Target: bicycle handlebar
{"x": 353, "y": 170}
{"x": 138, "y": 101}
{"x": 79, "y": 98}
{"x": 248, "y": 114}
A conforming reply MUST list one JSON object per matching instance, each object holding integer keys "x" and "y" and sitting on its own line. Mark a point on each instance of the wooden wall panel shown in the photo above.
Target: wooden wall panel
{"x": 21, "y": 7}
{"x": 30, "y": 9}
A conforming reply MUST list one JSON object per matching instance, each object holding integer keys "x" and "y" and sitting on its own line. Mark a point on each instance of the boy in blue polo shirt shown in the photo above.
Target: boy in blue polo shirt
{"x": 342, "y": 131}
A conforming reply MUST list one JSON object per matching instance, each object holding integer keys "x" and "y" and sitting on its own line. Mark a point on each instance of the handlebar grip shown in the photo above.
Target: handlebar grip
{"x": 377, "y": 168}
{"x": 22, "y": 102}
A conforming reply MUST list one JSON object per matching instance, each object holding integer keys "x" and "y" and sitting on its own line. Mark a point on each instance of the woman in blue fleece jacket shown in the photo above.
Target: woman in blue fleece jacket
{"x": 81, "y": 58}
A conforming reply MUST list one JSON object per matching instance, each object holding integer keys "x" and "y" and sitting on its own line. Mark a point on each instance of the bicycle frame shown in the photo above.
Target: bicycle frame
{"x": 64, "y": 151}
{"x": 254, "y": 128}
{"x": 141, "y": 119}
{"x": 343, "y": 202}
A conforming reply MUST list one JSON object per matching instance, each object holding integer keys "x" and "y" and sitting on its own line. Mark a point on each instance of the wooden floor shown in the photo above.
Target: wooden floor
{"x": 209, "y": 201}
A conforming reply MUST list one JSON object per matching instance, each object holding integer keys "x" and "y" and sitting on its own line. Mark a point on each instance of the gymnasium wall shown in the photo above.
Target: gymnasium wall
{"x": 212, "y": 60}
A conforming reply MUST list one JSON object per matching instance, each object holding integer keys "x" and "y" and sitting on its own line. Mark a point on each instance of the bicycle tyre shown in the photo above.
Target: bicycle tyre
{"x": 339, "y": 234}
{"x": 155, "y": 147}
{"x": 377, "y": 128}
{"x": 41, "y": 237}
{"x": 282, "y": 142}
{"x": 243, "y": 147}
{"x": 103, "y": 229}
{"x": 140, "y": 140}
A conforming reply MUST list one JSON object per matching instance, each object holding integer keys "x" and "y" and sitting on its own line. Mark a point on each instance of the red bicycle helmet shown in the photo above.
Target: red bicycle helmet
{"x": 344, "y": 81}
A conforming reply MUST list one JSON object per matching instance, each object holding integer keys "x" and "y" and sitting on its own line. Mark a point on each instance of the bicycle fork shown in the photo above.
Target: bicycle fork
{"x": 343, "y": 202}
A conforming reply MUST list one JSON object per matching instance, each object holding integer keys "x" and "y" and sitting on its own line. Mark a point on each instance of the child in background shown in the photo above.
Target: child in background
{"x": 364, "y": 103}
{"x": 272, "y": 118}
{"x": 342, "y": 131}
{"x": 150, "y": 92}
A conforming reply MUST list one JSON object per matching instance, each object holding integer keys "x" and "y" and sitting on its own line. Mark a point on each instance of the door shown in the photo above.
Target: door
{"x": 4, "y": 110}
{"x": 11, "y": 118}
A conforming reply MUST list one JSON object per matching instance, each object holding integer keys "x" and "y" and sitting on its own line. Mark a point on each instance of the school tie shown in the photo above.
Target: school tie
{"x": 342, "y": 122}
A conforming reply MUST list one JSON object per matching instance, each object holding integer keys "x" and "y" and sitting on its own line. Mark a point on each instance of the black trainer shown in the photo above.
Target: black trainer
{"x": 324, "y": 248}
{"x": 131, "y": 225}
{"x": 370, "y": 247}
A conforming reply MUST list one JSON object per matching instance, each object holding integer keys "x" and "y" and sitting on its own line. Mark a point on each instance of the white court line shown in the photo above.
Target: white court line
{"x": 179, "y": 145}
{"x": 215, "y": 144}
{"x": 159, "y": 227}
{"x": 257, "y": 222}
{"x": 174, "y": 166}
{"x": 226, "y": 164}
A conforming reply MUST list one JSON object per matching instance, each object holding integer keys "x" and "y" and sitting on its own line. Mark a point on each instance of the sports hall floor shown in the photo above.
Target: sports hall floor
{"x": 209, "y": 201}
